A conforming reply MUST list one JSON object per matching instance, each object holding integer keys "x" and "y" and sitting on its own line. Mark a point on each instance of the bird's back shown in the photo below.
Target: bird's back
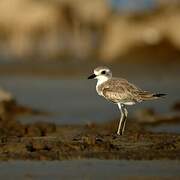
{"x": 119, "y": 90}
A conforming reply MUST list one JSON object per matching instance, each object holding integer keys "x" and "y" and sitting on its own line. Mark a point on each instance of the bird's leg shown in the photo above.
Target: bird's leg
{"x": 121, "y": 122}
{"x": 125, "y": 118}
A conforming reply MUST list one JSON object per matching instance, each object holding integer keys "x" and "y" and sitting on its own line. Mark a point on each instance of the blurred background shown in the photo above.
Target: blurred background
{"x": 48, "y": 49}
{"x": 83, "y": 30}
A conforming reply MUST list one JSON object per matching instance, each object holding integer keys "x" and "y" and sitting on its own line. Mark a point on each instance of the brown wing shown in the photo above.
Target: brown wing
{"x": 120, "y": 90}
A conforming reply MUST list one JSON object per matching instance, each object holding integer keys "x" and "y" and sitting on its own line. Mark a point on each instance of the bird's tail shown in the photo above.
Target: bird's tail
{"x": 150, "y": 96}
{"x": 159, "y": 95}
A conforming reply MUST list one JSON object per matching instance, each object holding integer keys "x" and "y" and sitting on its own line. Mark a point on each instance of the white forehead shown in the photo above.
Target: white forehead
{"x": 100, "y": 69}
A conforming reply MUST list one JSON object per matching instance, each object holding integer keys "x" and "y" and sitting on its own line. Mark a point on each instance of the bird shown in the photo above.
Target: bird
{"x": 120, "y": 92}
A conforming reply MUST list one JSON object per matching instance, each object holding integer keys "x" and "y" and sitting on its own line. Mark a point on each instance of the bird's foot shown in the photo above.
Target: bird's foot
{"x": 119, "y": 133}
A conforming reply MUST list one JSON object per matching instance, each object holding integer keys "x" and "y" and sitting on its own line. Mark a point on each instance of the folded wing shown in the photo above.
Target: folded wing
{"x": 120, "y": 90}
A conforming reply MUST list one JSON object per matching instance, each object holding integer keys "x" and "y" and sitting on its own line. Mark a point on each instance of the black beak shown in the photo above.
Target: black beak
{"x": 92, "y": 76}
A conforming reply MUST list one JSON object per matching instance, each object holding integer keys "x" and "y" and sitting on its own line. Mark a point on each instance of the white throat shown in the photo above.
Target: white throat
{"x": 101, "y": 79}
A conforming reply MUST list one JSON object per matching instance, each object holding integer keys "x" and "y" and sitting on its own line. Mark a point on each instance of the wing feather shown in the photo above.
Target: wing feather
{"x": 120, "y": 90}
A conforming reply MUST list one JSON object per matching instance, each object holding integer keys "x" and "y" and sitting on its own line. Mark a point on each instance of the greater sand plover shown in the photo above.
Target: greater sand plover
{"x": 120, "y": 92}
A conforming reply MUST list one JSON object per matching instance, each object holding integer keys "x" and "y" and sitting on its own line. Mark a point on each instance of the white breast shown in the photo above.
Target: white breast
{"x": 98, "y": 91}
{"x": 100, "y": 80}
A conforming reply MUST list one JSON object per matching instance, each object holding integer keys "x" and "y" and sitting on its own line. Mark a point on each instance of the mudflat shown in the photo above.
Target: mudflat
{"x": 47, "y": 141}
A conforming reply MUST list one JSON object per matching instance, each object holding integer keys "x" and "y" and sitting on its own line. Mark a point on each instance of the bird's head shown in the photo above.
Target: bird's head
{"x": 101, "y": 73}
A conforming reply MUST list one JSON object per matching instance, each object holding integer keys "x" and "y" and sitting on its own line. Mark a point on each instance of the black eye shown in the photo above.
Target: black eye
{"x": 103, "y": 72}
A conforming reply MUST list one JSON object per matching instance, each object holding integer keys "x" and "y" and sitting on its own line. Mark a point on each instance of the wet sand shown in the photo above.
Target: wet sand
{"x": 48, "y": 141}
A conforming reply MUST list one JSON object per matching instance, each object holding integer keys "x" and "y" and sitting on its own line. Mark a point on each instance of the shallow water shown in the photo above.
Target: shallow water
{"x": 74, "y": 99}
{"x": 89, "y": 169}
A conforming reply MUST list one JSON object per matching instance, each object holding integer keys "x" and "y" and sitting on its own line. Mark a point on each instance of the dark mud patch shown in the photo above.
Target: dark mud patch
{"x": 46, "y": 141}
{"x": 12, "y": 108}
